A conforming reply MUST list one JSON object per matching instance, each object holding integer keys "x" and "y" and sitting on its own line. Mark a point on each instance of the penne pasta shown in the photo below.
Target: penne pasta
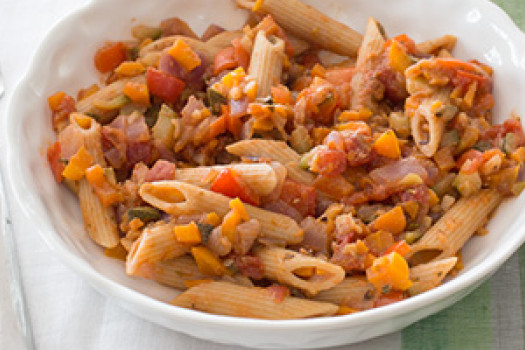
{"x": 309, "y": 24}
{"x": 156, "y": 243}
{"x": 99, "y": 220}
{"x": 373, "y": 41}
{"x": 457, "y": 225}
{"x": 225, "y": 298}
{"x": 354, "y": 291}
{"x": 307, "y": 273}
{"x": 445, "y": 42}
{"x": 173, "y": 273}
{"x": 266, "y": 62}
{"x": 428, "y": 276}
{"x": 260, "y": 177}
{"x": 208, "y": 49}
{"x": 275, "y": 150}
{"x": 364, "y": 86}
{"x": 178, "y": 198}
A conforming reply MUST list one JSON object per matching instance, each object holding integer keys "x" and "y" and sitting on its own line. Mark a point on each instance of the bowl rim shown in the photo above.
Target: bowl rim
{"x": 121, "y": 293}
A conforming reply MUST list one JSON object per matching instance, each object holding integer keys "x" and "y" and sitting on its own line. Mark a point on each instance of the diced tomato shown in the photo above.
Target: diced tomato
{"x": 232, "y": 185}
{"x": 163, "y": 85}
{"x": 281, "y": 94}
{"x": 474, "y": 158}
{"x": 278, "y": 292}
{"x": 231, "y": 123}
{"x": 514, "y": 125}
{"x": 251, "y": 266}
{"x": 334, "y": 186}
{"x": 241, "y": 55}
{"x": 389, "y": 298}
{"x": 401, "y": 247}
{"x": 217, "y": 127}
{"x": 299, "y": 196}
{"x": 329, "y": 162}
{"x": 61, "y": 106}
{"x": 53, "y": 157}
{"x": 339, "y": 76}
{"x": 225, "y": 59}
{"x": 110, "y": 56}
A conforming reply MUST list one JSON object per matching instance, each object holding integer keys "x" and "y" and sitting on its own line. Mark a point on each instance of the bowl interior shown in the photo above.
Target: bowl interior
{"x": 65, "y": 62}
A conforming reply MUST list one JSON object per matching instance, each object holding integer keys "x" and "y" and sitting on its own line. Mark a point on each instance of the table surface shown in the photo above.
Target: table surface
{"x": 66, "y": 313}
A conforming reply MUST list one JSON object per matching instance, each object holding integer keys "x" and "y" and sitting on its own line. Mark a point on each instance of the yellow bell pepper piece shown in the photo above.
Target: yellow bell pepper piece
{"x": 208, "y": 263}
{"x": 387, "y": 145}
{"x": 229, "y": 224}
{"x": 184, "y": 55}
{"x": 188, "y": 234}
{"x": 393, "y": 221}
{"x": 390, "y": 270}
{"x": 236, "y": 204}
{"x": 398, "y": 58}
{"x": 79, "y": 162}
{"x": 130, "y": 69}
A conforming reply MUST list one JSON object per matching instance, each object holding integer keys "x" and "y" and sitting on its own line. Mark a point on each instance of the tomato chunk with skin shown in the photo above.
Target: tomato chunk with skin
{"x": 301, "y": 197}
{"x": 110, "y": 56}
{"x": 329, "y": 162}
{"x": 163, "y": 85}
{"x": 232, "y": 185}
{"x": 53, "y": 157}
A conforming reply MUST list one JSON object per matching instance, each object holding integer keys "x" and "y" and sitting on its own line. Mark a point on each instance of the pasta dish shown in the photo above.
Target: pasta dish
{"x": 293, "y": 168}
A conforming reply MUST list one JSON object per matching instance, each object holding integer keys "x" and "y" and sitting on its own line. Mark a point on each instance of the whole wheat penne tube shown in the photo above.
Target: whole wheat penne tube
{"x": 266, "y": 63}
{"x": 179, "y": 198}
{"x": 173, "y": 273}
{"x": 276, "y": 150}
{"x": 113, "y": 90}
{"x": 225, "y": 298}
{"x": 307, "y": 273}
{"x": 455, "y": 227}
{"x": 208, "y": 49}
{"x": 363, "y": 86}
{"x": 354, "y": 291}
{"x": 156, "y": 243}
{"x": 373, "y": 41}
{"x": 99, "y": 220}
{"x": 428, "y": 276}
{"x": 434, "y": 46}
{"x": 309, "y": 23}
{"x": 260, "y": 177}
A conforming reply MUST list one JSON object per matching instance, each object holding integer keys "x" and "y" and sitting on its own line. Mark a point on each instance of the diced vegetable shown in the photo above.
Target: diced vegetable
{"x": 400, "y": 123}
{"x": 401, "y": 247}
{"x": 54, "y": 100}
{"x": 470, "y": 161}
{"x": 163, "y": 85}
{"x": 225, "y": 59}
{"x": 188, "y": 234}
{"x": 208, "y": 263}
{"x": 113, "y": 104}
{"x": 483, "y": 145}
{"x": 510, "y": 143}
{"x": 145, "y": 214}
{"x": 138, "y": 93}
{"x": 130, "y": 68}
{"x": 387, "y": 145}
{"x": 393, "y": 221}
{"x": 164, "y": 128}
{"x": 205, "y": 231}
{"x": 378, "y": 242}
{"x": 398, "y": 59}
{"x": 281, "y": 95}
{"x": 184, "y": 55}
{"x": 229, "y": 224}
{"x": 107, "y": 192}
{"x": 433, "y": 199}
{"x": 232, "y": 185}
{"x": 79, "y": 162}
{"x": 213, "y": 219}
{"x": 215, "y": 100}
{"x": 110, "y": 56}
{"x": 142, "y": 32}
{"x": 236, "y": 205}
{"x": 467, "y": 183}
{"x": 389, "y": 271}
{"x": 363, "y": 114}
{"x": 53, "y": 158}
{"x": 356, "y": 127}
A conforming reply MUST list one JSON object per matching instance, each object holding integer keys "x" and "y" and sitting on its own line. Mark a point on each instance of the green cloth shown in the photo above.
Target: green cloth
{"x": 473, "y": 323}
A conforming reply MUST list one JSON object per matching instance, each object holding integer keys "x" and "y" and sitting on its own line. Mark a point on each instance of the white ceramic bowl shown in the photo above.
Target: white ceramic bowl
{"x": 64, "y": 61}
